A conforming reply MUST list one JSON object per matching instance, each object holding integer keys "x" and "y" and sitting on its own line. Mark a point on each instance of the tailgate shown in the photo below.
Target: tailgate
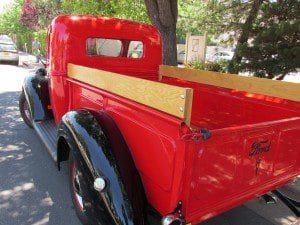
{"x": 240, "y": 163}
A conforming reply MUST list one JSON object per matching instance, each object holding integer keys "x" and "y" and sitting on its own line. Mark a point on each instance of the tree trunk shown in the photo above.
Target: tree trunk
{"x": 169, "y": 46}
{"x": 246, "y": 29}
{"x": 163, "y": 15}
{"x": 281, "y": 77}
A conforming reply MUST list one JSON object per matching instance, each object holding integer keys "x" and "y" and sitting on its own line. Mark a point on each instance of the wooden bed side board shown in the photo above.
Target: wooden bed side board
{"x": 274, "y": 88}
{"x": 170, "y": 99}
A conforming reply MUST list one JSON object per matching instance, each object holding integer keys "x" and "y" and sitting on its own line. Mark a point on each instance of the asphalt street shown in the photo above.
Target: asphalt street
{"x": 33, "y": 192}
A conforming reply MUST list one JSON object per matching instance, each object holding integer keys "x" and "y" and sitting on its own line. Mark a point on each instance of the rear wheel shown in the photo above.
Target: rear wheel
{"x": 24, "y": 110}
{"x": 75, "y": 189}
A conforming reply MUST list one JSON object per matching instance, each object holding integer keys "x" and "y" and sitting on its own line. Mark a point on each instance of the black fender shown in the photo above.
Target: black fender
{"x": 101, "y": 151}
{"x": 36, "y": 90}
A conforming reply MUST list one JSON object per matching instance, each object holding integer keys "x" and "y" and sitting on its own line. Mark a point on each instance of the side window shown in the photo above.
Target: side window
{"x": 135, "y": 50}
{"x": 103, "y": 47}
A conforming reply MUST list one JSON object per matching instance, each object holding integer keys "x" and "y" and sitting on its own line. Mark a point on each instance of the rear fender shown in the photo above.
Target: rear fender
{"x": 36, "y": 91}
{"x": 101, "y": 151}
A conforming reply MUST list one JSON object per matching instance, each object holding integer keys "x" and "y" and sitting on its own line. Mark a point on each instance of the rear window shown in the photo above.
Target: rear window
{"x": 135, "y": 50}
{"x": 104, "y": 47}
{"x": 4, "y": 47}
{"x": 114, "y": 48}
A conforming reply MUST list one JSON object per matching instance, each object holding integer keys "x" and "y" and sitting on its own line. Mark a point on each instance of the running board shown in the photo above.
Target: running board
{"x": 47, "y": 131}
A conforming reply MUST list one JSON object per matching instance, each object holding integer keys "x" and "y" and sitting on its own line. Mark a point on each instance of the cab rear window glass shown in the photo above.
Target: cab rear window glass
{"x": 135, "y": 50}
{"x": 104, "y": 47}
{"x": 114, "y": 48}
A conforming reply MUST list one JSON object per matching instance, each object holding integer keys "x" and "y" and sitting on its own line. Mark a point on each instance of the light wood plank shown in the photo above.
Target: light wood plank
{"x": 280, "y": 89}
{"x": 188, "y": 106}
{"x": 171, "y": 99}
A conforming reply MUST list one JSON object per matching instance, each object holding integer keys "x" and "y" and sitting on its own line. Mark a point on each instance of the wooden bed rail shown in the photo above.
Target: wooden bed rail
{"x": 280, "y": 89}
{"x": 170, "y": 99}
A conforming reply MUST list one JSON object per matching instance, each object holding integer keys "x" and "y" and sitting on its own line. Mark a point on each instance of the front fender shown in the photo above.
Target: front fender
{"x": 36, "y": 91}
{"x": 105, "y": 154}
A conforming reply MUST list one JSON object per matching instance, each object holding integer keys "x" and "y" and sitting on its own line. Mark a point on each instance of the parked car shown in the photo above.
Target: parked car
{"x": 6, "y": 39}
{"x": 181, "y": 57}
{"x": 222, "y": 56}
{"x": 138, "y": 135}
{"x": 9, "y": 53}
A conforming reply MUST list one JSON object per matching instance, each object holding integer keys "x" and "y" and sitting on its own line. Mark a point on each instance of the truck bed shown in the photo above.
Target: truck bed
{"x": 217, "y": 108}
{"x": 253, "y": 147}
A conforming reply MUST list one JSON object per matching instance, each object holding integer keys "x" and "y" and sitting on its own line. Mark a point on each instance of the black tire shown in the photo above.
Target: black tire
{"x": 24, "y": 110}
{"x": 89, "y": 196}
{"x": 151, "y": 218}
{"x": 80, "y": 211}
{"x": 16, "y": 63}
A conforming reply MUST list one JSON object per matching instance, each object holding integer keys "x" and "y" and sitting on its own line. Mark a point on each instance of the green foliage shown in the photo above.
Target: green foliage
{"x": 10, "y": 25}
{"x": 42, "y": 37}
{"x": 127, "y": 9}
{"x": 22, "y": 38}
{"x": 47, "y": 11}
{"x": 10, "y": 20}
{"x": 195, "y": 65}
{"x": 275, "y": 48}
{"x": 87, "y": 7}
{"x": 131, "y": 9}
{"x": 198, "y": 17}
{"x": 195, "y": 16}
{"x": 210, "y": 66}
{"x": 232, "y": 15}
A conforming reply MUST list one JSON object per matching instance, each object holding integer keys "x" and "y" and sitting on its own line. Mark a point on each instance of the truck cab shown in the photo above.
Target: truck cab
{"x": 137, "y": 134}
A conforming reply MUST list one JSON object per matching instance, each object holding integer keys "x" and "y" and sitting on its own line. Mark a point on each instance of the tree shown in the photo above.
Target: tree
{"x": 275, "y": 48}
{"x": 128, "y": 9}
{"x": 163, "y": 15}
{"x": 131, "y": 9}
{"x": 10, "y": 25}
{"x": 244, "y": 36}
{"x": 38, "y": 14}
{"x": 10, "y": 20}
{"x": 30, "y": 15}
{"x": 88, "y": 7}
{"x": 199, "y": 17}
{"x": 47, "y": 11}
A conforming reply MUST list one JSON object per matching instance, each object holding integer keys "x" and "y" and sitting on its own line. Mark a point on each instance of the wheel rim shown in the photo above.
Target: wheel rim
{"x": 76, "y": 187}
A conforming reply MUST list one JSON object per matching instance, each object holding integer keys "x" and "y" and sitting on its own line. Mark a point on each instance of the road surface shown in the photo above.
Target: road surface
{"x": 33, "y": 192}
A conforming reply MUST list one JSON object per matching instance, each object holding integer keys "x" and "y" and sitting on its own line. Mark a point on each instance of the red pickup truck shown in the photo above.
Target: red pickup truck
{"x": 187, "y": 144}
